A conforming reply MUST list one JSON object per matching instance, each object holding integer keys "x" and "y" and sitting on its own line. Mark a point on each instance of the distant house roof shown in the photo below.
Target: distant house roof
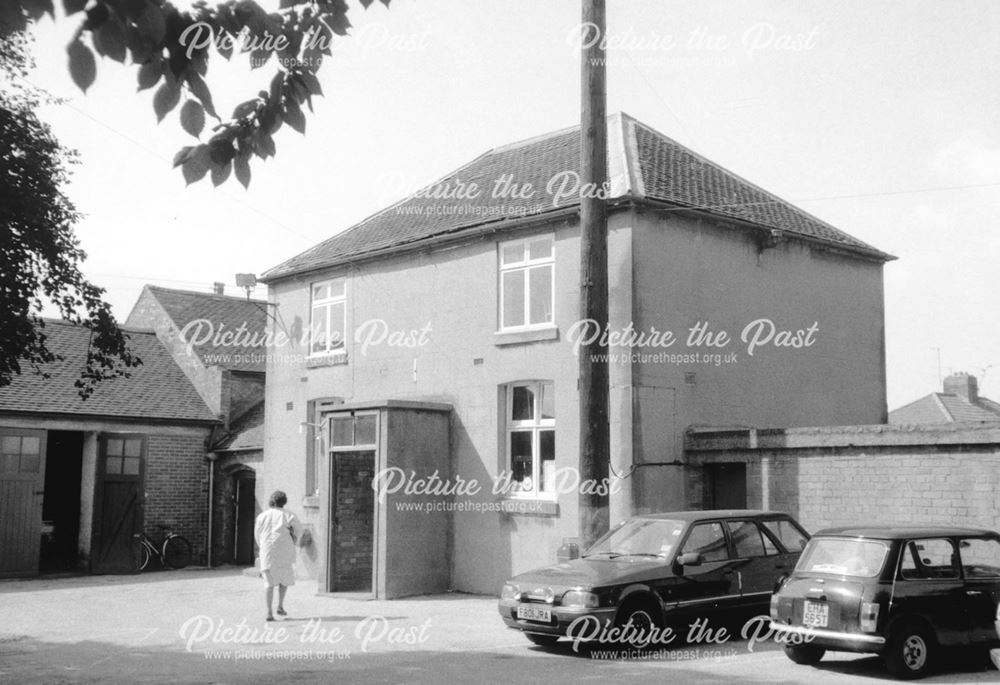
{"x": 960, "y": 402}
{"x": 643, "y": 164}
{"x": 224, "y": 313}
{"x": 157, "y": 389}
{"x": 246, "y": 432}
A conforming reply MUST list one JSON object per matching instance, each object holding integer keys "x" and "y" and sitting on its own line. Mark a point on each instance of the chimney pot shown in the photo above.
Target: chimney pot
{"x": 963, "y": 385}
{"x": 219, "y": 288}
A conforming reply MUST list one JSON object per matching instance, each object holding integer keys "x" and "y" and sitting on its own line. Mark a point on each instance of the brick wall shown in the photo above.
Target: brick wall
{"x": 945, "y": 475}
{"x": 354, "y": 508}
{"x": 177, "y": 489}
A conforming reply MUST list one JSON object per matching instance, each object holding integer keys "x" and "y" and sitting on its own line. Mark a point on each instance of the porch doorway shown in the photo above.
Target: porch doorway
{"x": 726, "y": 485}
{"x": 352, "y": 521}
{"x": 61, "y": 502}
{"x": 244, "y": 514}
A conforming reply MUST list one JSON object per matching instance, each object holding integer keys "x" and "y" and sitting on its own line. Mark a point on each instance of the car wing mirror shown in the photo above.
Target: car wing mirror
{"x": 689, "y": 559}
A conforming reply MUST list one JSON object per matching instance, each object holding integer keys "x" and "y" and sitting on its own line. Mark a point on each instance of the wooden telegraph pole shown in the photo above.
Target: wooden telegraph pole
{"x": 593, "y": 383}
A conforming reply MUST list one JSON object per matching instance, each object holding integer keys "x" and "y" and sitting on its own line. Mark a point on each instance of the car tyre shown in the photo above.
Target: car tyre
{"x": 910, "y": 652}
{"x": 644, "y": 621}
{"x": 542, "y": 640}
{"x": 807, "y": 655}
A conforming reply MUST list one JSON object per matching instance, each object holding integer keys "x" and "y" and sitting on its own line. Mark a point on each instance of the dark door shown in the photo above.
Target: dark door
{"x": 352, "y": 521}
{"x": 726, "y": 485}
{"x": 761, "y": 563}
{"x": 244, "y": 484}
{"x": 711, "y": 585}
{"x": 22, "y": 482}
{"x": 981, "y": 570}
{"x": 118, "y": 502}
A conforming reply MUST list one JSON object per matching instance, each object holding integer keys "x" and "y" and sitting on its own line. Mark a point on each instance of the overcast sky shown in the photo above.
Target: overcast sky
{"x": 880, "y": 117}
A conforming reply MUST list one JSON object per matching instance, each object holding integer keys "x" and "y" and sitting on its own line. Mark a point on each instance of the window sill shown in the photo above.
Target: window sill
{"x": 333, "y": 359}
{"x": 310, "y": 502}
{"x": 529, "y": 507}
{"x": 519, "y": 337}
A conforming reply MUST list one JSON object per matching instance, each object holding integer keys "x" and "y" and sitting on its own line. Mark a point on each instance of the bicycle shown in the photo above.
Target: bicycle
{"x": 174, "y": 551}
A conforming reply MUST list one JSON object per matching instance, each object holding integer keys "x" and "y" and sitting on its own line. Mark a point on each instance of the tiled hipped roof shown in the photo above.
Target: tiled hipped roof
{"x": 643, "y": 164}
{"x": 225, "y": 313}
{"x": 156, "y": 390}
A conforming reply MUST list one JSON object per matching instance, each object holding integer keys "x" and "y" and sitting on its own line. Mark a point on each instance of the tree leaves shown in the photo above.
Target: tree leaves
{"x": 200, "y": 90}
{"x": 150, "y": 73}
{"x": 241, "y": 168}
{"x": 172, "y": 48}
{"x": 221, "y": 173}
{"x": 192, "y": 118}
{"x": 82, "y": 66}
{"x": 196, "y": 164}
{"x": 166, "y": 98}
{"x": 74, "y": 6}
{"x": 151, "y": 24}
{"x": 40, "y": 256}
{"x": 109, "y": 39}
{"x": 294, "y": 116}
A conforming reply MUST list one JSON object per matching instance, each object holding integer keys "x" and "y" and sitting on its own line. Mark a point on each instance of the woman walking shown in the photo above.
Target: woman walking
{"x": 276, "y": 532}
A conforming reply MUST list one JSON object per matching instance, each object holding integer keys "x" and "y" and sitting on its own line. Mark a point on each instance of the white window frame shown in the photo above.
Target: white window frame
{"x": 524, "y": 266}
{"x": 354, "y": 446}
{"x": 535, "y": 426}
{"x": 328, "y": 303}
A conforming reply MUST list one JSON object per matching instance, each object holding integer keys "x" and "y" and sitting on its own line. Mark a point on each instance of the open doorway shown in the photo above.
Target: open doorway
{"x": 61, "y": 502}
{"x": 244, "y": 512}
{"x": 726, "y": 485}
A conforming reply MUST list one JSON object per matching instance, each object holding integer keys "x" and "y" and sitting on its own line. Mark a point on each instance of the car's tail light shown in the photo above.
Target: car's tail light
{"x": 774, "y": 607}
{"x": 580, "y": 599}
{"x": 869, "y": 617}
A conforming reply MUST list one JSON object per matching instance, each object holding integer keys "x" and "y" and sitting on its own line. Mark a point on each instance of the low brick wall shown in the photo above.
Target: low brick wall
{"x": 945, "y": 474}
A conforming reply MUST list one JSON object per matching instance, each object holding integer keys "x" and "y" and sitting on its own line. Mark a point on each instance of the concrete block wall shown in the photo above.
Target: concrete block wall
{"x": 845, "y": 475}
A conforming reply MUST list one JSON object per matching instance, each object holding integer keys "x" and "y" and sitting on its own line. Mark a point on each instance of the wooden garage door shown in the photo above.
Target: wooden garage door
{"x": 22, "y": 485}
{"x": 118, "y": 502}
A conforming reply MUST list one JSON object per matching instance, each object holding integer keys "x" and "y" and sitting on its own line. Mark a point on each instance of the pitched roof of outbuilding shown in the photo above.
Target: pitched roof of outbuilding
{"x": 642, "y": 164}
{"x": 157, "y": 389}
{"x": 224, "y": 313}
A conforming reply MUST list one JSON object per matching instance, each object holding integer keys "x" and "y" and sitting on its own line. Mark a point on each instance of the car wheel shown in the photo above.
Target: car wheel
{"x": 542, "y": 640}
{"x": 645, "y": 623}
{"x": 807, "y": 655}
{"x": 910, "y": 652}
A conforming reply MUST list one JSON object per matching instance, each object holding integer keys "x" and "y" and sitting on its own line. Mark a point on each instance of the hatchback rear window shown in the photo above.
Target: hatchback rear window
{"x": 859, "y": 558}
{"x": 791, "y": 536}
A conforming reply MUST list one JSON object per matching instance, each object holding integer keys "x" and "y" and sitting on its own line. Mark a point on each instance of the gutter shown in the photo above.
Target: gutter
{"x": 457, "y": 235}
{"x": 857, "y": 250}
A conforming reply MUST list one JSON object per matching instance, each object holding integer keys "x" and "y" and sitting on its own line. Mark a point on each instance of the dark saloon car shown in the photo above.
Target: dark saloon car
{"x": 656, "y": 570}
{"x": 901, "y": 592}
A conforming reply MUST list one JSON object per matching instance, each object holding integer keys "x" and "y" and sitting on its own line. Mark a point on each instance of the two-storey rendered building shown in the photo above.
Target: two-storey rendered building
{"x": 432, "y": 347}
